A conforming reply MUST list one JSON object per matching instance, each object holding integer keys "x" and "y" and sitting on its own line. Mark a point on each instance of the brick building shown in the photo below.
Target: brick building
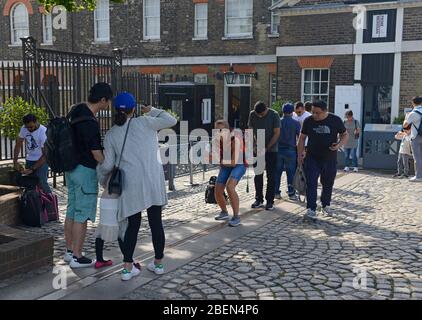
{"x": 183, "y": 39}
{"x": 374, "y": 70}
{"x": 310, "y": 53}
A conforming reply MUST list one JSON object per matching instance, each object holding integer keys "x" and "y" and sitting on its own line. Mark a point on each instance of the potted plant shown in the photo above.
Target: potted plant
{"x": 11, "y": 114}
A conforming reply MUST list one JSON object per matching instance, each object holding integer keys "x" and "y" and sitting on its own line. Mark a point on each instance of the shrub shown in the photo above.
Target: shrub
{"x": 12, "y": 112}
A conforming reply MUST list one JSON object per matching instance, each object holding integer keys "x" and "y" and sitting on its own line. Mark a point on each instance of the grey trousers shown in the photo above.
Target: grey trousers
{"x": 403, "y": 164}
{"x": 417, "y": 155}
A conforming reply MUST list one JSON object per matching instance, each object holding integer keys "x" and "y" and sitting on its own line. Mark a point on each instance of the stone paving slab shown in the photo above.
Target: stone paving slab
{"x": 367, "y": 250}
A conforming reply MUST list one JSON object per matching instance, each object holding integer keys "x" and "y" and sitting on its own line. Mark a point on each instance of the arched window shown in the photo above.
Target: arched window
{"x": 19, "y": 23}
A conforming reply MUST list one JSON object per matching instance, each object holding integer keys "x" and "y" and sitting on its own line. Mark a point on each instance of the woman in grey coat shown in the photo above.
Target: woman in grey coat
{"x": 143, "y": 183}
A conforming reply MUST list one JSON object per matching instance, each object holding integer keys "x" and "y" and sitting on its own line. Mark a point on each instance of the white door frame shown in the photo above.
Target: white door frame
{"x": 226, "y": 95}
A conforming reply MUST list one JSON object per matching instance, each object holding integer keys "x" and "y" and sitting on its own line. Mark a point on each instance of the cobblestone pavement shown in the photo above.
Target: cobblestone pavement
{"x": 186, "y": 204}
{"x": 367, "y": 250}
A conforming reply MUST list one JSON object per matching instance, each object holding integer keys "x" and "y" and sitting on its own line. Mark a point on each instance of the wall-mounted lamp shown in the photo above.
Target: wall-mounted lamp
{"x": 231, "y": 76}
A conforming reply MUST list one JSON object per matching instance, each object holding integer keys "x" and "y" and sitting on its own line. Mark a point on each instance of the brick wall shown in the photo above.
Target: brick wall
{"x": 412, "y": 27}
{"x": 411, "y": 80}
{"x": 22, "y": 251}
{"x": 260, "y": 89}
{"x": 9, "y": 205}
{"x": 290, "y": 77}
{"x": 317, "y": 30}
{"x": 126, "y": 31}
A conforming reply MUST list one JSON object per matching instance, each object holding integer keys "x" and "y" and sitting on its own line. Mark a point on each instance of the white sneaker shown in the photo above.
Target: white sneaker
{"x": 311, "y": 214}
{"x": 414, "y": 179}
{"x": 327, "y": 211}
{"x": 127, "y": 275}
{"x": 156, "y": 268}
{"x": 356, "y": 169}
{"x": 346, "y": 169}
{"x": 82, "y": 262}
{"x": 68, "y": 256}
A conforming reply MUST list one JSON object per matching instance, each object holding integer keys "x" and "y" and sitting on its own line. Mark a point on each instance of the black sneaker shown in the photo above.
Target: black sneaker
{"x": 82, "y": 262}
{"x": 397, "y": 175}
{"x": 269, "y": 207}
{"x": 257, "y": 204}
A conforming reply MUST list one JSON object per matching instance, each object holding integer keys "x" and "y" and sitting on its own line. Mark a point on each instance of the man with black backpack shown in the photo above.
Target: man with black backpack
{"x": 414, "y": 123}
{"x": 82, "y": 181}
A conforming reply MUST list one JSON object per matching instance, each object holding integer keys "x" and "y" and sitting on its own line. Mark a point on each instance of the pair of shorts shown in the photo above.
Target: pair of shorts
{"x": 235, "y": 173}
{"x": 82, "y": 193}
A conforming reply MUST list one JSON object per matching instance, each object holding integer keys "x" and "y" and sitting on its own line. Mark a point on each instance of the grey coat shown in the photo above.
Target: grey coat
{"x": 144, "y": 183}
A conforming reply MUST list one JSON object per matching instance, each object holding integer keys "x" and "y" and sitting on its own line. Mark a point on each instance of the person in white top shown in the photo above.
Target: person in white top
{"x": 405, "y": 154}
{"x": 300, "y": 113}
{"x": 413, "y": 122}
{"x": 34, "y": 136}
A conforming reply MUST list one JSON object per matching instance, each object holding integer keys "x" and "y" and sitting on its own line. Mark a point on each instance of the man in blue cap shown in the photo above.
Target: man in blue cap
{"x": 287, "y": 154}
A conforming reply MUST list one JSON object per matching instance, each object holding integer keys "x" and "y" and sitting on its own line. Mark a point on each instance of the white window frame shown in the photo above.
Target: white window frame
{"x": 200, "y": 78}
{"x": 275, "y": 20}
{"x": 273, "y": 89}
{"x": 106, "y": 8}
{"x": 145, "y": 21}
{"x": 47, "y": 28}
{"x": 196, "y": 35}
{"x": 206, "y": 111}
{"x": 12, "y": 29}
{"x": 237, "y": 35}
{"x": 303, "y": 94}
{"x": 174, "y": 108}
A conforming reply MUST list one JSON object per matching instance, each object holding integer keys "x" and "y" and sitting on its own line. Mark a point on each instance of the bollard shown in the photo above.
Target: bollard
{"x": 171, "y": 177}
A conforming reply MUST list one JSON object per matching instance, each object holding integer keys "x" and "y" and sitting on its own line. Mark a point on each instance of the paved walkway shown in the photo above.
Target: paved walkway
{"x": 368, "y": 250}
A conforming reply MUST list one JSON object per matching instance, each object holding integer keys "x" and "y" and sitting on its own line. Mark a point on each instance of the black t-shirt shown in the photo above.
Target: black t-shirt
{"x": 322, "y": 134}
{"x": 87, "y": 135}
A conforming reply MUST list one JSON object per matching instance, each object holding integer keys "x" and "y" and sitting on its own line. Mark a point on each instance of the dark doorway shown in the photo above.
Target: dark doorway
{"x": 377, "y": 104}
{"x": 239, "y": 106}
{"x": 377, "y": 83}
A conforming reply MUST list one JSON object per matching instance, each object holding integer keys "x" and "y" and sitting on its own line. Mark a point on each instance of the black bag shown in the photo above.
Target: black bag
{"x": 115, "y": 185}
{"x": 31, "y": 208}
{"x": 60, "y": 149}
{"x": 209, "y": 192}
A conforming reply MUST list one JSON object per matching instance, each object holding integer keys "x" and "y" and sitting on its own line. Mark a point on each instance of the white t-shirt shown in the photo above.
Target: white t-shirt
{"x": 414, "y": 119}
{"x": 34, "y": 142}
{"x": 302, "y": 117}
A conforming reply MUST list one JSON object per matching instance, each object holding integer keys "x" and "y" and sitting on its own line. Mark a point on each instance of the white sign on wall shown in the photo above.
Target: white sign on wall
{"x": 379, "y": 26}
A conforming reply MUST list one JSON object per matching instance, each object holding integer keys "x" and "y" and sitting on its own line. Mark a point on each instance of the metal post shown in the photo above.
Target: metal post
{"x": 171, "y": 177}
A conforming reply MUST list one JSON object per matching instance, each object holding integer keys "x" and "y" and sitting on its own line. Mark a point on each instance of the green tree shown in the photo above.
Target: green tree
{"x": 12, "y": 112}
{"x": 73, "y": 5}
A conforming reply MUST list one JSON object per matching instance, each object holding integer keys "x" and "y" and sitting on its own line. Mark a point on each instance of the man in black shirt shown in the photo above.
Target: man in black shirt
{"x": 323, "y": 131}
{"x": 82, "y": 182}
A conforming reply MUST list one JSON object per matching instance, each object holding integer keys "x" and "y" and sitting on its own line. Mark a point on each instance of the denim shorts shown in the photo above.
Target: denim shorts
{"x": 82, "y": 186}
{"x": 235, "y": 173}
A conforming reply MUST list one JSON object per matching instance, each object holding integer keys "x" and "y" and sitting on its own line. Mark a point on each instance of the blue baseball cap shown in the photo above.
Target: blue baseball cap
{"x": 124, "y": 101}
{"x": 288, "y": 108}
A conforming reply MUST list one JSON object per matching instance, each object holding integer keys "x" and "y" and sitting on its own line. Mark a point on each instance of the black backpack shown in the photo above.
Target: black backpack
{"x": 31, "y": 208}
{"x": 60, "y": 150}
{"x": 209, "y": 192}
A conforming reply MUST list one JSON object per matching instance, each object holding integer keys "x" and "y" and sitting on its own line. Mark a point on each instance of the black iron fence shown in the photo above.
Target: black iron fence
{"x": 57, "y": 80}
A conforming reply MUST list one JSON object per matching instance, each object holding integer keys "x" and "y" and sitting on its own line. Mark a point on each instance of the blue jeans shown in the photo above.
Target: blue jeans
{"x": 327, "y": 170}
{"x": 286, "y": 161}
{"x": 42, "y": 174}
{"x": 347, "y": 153}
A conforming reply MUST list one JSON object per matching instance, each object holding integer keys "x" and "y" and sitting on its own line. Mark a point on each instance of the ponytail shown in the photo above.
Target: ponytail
{"x": 120, "y": 118}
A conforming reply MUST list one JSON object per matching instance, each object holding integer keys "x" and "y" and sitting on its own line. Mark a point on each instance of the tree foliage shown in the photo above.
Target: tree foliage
{"x": 72, "y": 5}
{"x": 12, "y": 112}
